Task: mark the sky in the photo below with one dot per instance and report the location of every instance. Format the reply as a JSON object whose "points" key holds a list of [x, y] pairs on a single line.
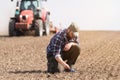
{"points": [[87, 14]]}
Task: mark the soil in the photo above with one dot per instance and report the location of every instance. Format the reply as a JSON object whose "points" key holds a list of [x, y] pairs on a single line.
{"points": [[24, 57]]}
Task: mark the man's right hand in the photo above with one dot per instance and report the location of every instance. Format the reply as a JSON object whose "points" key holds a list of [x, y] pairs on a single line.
{"points": [[63, 63], [66, 66]]}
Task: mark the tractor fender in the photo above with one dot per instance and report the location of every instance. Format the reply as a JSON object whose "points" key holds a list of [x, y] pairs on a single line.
{"points": [[43, 15]]}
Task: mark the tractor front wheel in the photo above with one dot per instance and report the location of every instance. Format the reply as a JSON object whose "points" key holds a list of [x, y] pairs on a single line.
{"points": [[47, 25], [39, 28], [12, 31]]}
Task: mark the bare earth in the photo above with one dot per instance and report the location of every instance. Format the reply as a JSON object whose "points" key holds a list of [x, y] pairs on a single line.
{"points": [[24, 58]]}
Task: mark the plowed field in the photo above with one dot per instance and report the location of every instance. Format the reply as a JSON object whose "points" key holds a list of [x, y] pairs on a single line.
{"points": [[24, 58]]}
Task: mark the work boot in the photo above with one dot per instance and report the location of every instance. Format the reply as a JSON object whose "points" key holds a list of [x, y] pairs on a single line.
{"points": [[70, 70]]}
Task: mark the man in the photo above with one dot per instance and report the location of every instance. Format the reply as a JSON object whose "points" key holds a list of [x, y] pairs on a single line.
{"points": [[64, 46]]}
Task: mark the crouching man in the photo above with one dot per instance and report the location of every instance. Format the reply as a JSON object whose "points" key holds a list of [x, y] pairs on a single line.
{"points": [[63, 49]]}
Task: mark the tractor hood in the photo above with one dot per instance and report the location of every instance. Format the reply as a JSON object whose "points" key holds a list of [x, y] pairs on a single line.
{"points": [[26, 16]]}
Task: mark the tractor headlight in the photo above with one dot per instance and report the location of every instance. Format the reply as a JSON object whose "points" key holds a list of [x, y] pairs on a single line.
{"points": [[20, 16], [26, 16]]}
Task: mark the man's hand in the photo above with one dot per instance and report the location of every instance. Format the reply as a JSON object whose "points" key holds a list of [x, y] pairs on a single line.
{"points": [[63, 63], [68, 46], [66, 66]]}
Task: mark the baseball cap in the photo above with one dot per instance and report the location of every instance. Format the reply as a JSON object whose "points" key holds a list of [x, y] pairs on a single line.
{"points": [[73, 27]]}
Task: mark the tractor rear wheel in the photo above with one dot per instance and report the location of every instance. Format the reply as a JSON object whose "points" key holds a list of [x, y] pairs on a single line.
{"points": [[47, 25], [39, 27], [12, 31]]}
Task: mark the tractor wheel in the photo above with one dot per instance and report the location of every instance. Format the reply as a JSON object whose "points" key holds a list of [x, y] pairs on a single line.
{"points": [[12, 31], [39, 28], [47, 25]]}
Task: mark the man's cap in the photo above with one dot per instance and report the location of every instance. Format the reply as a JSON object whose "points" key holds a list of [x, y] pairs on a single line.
{"points": [[73, 27]]}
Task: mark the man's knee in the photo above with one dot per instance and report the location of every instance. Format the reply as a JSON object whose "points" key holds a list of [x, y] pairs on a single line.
{"points": [[76, 48]]}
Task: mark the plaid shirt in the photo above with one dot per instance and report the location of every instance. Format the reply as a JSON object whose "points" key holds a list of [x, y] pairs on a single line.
{"points": [[58, 42]]}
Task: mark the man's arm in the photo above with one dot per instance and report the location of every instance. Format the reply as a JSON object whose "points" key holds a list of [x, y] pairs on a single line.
{"points": [[68, 46], [60, 60]]}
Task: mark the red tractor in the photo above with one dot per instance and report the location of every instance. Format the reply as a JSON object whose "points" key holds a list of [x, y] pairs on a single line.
{"points": [[29, 16]]}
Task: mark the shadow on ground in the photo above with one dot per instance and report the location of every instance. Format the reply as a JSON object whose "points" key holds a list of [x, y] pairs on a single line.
{"points": [[26, 71]]}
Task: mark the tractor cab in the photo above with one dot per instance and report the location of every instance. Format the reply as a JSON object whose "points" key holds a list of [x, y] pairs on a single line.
{"points": [[34, 5]]}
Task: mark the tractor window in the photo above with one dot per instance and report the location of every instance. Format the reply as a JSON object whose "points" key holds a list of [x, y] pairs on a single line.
{"points": [[28, 5], [22, 7], [40, 5], [32, 5]]}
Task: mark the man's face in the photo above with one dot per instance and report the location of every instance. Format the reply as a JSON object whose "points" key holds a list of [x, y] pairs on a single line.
{"points": [[70, 35]]}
